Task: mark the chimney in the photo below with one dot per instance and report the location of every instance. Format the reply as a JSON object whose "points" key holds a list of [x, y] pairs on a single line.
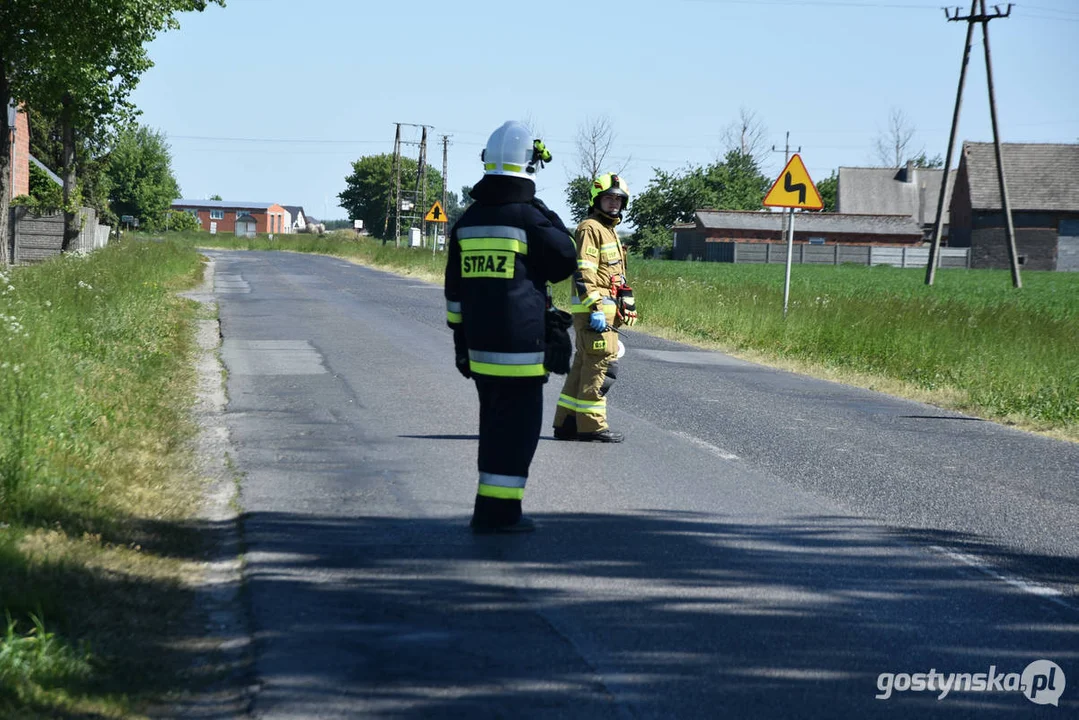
{"points": [[910, 172]]}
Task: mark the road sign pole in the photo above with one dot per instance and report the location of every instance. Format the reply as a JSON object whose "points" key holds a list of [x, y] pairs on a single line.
{"points": [[790, 257]]}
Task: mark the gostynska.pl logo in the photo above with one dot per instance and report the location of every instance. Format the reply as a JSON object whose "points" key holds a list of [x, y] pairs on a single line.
{"points": [[1041, 682]]}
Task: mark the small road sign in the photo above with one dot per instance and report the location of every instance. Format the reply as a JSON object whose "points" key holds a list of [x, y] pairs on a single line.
{"points": [[793, 188], [436, 213]]}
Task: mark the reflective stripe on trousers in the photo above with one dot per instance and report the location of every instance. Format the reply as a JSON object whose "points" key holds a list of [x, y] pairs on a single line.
{"points": [[505, 364], [507, 487]]}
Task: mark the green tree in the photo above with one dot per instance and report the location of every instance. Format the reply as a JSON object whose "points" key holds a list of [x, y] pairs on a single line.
{"points": [[669, 198], [829, 189], [737, 182], [44, 191], [215, 197], [578, 197], [78, 62], [140, 176], [181, 221], [46, 144], [734, 183], [923, 161], [368, 190]]}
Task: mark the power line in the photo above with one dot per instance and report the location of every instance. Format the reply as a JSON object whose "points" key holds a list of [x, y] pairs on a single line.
{"points": [[271, 140], [659, 146]]}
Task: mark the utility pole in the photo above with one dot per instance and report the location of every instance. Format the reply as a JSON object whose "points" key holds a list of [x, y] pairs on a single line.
{"points": [[418, 195], [421, 184], [395, 196], [787, 149], [1009, 229], [445, 185]]}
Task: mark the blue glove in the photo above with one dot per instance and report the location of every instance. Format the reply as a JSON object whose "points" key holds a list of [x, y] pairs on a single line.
{"points": [[597, 321]]}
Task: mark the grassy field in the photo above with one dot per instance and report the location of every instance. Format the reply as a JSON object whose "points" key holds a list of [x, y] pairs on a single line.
{"points": [[970, 342], [96, 482]]}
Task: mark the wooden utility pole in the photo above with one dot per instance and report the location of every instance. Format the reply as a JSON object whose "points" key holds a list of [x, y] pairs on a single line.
{"points": [[417, 203], [787, 149], [421, 184], [1005, 204], [938, 225], [395, 196], [445, 169], [445, 187]]}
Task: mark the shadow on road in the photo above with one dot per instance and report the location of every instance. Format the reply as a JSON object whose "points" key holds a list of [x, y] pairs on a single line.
{"points": [[670, 614]]}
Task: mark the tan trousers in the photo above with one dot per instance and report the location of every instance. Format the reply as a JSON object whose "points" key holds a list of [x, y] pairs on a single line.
{"points": [[583, 394]]}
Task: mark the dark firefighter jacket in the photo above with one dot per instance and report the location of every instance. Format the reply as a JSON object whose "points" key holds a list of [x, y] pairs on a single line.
{"points": [[502, 251]]}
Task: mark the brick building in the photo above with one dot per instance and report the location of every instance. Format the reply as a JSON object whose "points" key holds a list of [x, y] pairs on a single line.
{"points": [[223, 215], [810, 228], [19, 181], [1044, 198]]}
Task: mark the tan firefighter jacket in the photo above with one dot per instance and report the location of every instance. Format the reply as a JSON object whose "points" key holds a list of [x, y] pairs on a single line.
{"points": [[601, 262]]}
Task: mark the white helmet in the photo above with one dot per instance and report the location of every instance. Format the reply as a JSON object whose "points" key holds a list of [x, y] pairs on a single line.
{"points": [[512, 151]]}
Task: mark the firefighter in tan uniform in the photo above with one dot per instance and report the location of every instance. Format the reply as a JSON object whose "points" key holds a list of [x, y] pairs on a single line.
{"points": [[601, 302]]}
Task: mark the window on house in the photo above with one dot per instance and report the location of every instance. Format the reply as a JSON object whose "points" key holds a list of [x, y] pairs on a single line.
{"points": [[1022, 259], [192, 212], [217, 214]]}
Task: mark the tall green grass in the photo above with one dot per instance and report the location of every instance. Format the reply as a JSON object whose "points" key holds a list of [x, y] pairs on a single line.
{"points": [[1011, 353], [96, 380]]}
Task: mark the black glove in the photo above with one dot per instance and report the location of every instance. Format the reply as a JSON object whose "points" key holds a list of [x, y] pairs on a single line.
{"points": [[559, 351], [460, 353]]}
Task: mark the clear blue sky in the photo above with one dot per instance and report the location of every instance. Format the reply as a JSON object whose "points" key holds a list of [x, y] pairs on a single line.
{"points": [[271, 100]]}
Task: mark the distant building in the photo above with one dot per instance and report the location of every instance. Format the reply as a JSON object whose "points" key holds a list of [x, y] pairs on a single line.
{"points": [[1044, 196], [297, 218], [735, 226], [224, 214], [910, 190]]}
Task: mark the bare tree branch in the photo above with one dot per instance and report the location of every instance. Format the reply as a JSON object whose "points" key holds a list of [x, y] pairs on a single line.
{"points": [[593, 142], [892, 145], [747, 134]]}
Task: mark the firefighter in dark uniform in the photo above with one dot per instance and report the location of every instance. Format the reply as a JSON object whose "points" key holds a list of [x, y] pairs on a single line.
{"points": [[503, 251], [601, 301]]}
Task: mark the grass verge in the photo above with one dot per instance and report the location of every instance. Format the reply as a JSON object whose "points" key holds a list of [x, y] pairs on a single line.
{"points": [[97, 486]]}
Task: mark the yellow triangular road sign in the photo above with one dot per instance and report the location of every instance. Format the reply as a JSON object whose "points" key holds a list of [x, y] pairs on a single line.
{"points": [[793, 188], [436, 213]]}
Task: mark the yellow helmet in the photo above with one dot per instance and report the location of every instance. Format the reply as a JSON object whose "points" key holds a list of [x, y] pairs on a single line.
{"points": [[609, 184]]}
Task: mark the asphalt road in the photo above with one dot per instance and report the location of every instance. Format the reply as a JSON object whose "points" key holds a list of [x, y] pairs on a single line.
{"points": [[762, 545]]}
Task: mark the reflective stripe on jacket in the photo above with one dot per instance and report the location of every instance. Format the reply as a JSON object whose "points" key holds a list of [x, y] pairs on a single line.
{"points": [[503, 251], [601, 259]]}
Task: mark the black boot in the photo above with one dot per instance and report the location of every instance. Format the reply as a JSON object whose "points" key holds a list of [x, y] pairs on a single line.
{"points": [[606, 435], [568, 431], [497, 515]]}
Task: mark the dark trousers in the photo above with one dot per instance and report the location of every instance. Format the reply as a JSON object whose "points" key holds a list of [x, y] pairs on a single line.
{"points": [[511, 416]]}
